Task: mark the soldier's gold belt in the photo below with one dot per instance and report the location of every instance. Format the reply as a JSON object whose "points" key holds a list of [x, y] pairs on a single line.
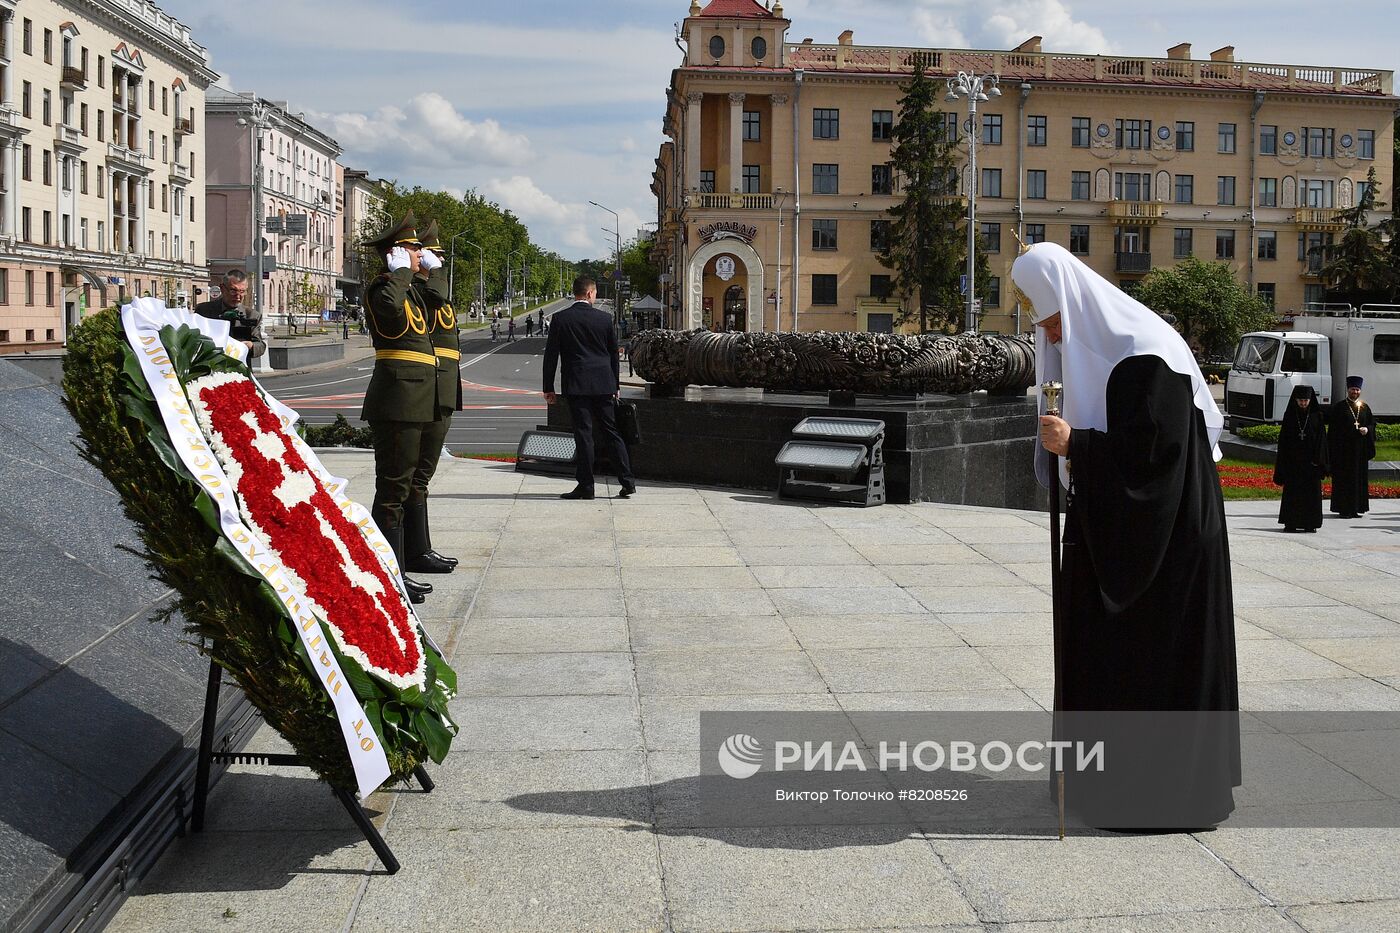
{"points": [[411, 356], [448, 353]]}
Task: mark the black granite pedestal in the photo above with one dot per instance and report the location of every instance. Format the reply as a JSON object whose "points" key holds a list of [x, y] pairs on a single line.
{"points": [[969, 449]]}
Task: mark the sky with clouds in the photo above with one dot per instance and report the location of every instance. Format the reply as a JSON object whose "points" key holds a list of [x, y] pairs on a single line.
{"points": [[545, 105]]}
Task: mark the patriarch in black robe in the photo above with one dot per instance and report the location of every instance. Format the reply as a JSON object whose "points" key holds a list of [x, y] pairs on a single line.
{"points": [[1145, 641], [1301, 462], [1351, 443]]}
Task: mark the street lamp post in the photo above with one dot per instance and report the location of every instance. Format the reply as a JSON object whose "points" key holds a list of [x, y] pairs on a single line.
{"points": [[780, 199], [260, 120], [509, 294], [974, 88], [481, 269], [617, 256]]}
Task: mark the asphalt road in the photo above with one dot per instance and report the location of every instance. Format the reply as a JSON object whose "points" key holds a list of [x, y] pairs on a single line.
{"points": [[500, 390]]}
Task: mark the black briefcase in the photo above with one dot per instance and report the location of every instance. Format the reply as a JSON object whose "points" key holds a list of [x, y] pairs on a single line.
{"points": [[627, 423]]}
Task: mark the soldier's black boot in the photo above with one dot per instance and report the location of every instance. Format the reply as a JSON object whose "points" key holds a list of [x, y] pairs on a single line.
{"points": [[428, 534], [417, 592], [418, 545]]}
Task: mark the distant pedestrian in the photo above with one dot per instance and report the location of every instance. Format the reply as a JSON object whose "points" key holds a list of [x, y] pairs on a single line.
{"points": [[495, 329], [1302, 462], [529, 326], [510, 330], [1351, 442]]}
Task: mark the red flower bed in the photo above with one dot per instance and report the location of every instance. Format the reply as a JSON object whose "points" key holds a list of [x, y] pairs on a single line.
{"points": [[287, 506], [1262, 477]]}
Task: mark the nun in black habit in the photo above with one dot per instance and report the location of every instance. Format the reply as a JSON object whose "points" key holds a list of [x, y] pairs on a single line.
{"points": [[1302, 462], [1145, 640]]}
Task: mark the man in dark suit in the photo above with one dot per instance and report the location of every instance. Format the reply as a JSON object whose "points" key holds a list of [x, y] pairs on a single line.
{"points": [[584, 337], [246, 324]]}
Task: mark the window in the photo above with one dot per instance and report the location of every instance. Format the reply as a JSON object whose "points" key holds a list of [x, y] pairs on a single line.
{"points": [[1225, 138], [825, 178], [100, 134], [950, 126], [48, 46], [48, 289], [759, 48], [991, 182], [165, 101], [26, 95], [1224, 244], [1181, 242], [993, 292], [1268, 140], [826, 124], [1079, 132], [707, 181], [1316, 192], [823, 234], [1310, 248], [881, 179], [1386, 349], [1185, 188], [1035, 183], [24, 163], [880, 287], [879, 235], [881, 125], [1132, 186], [752, 126], [823, 289], [1366, 144], [4, 286], [25, 227], [1225, 189], [48, 168], [1035, 233], [82, 119], [1079, 186], [1265, 291], [28, 41], [1132, 134], [1035, 131], [991, 237], [101, 68], [82, 233], [751, 179], [101, 182], [1314, 294], [48, 107], [1268, 244], [1319, 141], [1079, 239], [991, 129], [151, 100], [48, 228], [717, 46], [1365, 190], [29, 288], [1268, 192]]}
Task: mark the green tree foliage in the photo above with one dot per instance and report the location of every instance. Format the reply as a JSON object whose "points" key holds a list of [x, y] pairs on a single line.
{"points": [[927, 246], [496, 230], [1359, 266], [1212, 309], [644, 275]]}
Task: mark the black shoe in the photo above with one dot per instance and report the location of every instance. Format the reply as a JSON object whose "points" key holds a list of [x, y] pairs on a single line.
{"points": [[428, 563], [415, 588], [442, 557], [578, 492], [626, 490], [416, 599]]}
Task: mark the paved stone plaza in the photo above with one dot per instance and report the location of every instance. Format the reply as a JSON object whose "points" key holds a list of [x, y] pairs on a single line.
{"points": [[589, 635]]}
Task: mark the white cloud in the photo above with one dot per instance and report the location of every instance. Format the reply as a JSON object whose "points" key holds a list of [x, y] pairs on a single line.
{"points": [[428, 130], [1018, 20], [575, 226], [938, 29]]}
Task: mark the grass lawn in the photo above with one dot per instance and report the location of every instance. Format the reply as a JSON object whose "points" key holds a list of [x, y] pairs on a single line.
{"points": [[1388, 450]]}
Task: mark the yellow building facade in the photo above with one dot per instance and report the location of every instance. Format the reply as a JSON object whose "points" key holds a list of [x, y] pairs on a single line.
{"points": [[101, 166], [773, 184]]}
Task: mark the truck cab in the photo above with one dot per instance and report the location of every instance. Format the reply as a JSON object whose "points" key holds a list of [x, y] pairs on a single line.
{"points": [[1267, 367]]}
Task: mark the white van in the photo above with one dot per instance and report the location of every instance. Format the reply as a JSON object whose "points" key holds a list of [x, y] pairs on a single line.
{"points": [[1326, 344]]}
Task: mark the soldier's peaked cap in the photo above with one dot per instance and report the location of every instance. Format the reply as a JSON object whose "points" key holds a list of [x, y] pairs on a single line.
{"points": [[396, 233], [432, 239]]}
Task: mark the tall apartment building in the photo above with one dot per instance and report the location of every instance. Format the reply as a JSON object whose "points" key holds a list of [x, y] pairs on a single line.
{"points": [[264, 158], [773, 184], [101, 166], [363, 207]]}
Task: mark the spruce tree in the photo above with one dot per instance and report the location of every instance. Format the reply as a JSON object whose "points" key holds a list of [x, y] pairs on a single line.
{"points": [[927, 244], [1358, 267]]}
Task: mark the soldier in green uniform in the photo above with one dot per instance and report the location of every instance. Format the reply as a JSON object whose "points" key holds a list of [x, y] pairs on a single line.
{"points": [[430, 284], [401, 401]]}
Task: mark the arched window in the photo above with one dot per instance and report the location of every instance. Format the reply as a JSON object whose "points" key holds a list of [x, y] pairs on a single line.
{"points": [[717, 46], [759, 47]]}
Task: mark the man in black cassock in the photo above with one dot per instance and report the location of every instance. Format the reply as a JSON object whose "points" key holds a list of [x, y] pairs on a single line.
{"points": [[1302, 462], [1146, 618], [1351, 442]]}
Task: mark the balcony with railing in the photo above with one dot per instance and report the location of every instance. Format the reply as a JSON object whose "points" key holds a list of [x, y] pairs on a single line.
{"points": [[1133, 263], [180, 172], [732, 202], [1312, 267], [69, 136], [1134, 213], [184, 127], [73, 78], [1318, 219], [123, 154]]}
